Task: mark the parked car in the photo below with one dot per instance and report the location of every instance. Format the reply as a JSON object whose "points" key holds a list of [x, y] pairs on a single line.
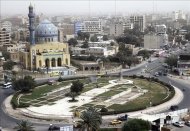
{"points": [[53, 128], [174, 107], [187, 123], [123, 118], [115, 122], [179, 124]]}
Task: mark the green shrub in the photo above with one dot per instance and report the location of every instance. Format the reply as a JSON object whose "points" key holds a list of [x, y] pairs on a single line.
{"points": [[14, 102], [103, 109]]}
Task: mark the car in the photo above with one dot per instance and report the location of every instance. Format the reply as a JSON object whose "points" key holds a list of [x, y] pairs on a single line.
{"points": [[187, 123], [174, 107], [7, 85], [123, 118], [115, 122], [179, 124], [53, 128], [156, 74], [165, 74]]}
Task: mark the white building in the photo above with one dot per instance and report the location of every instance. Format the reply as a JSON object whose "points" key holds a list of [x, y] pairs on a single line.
{"points": [[127, 25], [101, 51], [7, 25], [178, 15], [21, 46], [100, 44], [139, 21], [155, 41], [92, 26], [77, 51], [161, 29], [5, 37]]}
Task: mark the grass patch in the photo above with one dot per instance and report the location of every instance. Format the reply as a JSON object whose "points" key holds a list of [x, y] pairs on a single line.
{"points": [[109, 93], [156, 94], [41, 91]]}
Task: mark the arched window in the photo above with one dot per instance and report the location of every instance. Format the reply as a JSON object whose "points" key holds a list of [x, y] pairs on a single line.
{"points": [[53, 62], [59, 62], [47, 63]]}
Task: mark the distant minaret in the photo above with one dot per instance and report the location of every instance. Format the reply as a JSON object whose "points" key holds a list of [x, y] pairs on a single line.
{"points": [[31, 16]]}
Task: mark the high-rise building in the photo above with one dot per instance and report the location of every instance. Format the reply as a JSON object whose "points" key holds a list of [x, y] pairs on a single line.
{"points": [[7, 25], [90, 26], [176, 15], [5, 37], [138, 21], [156, 40], [116, 29]]}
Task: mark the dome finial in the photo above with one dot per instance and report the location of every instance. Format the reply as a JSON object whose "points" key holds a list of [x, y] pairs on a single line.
{"points": [[31, 5]]}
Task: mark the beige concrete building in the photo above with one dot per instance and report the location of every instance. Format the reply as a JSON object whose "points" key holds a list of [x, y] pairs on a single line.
{"points": [[5, 37]]}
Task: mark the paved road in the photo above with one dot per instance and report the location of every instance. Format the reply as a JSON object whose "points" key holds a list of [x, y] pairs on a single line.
{"points": [[6, 121]]}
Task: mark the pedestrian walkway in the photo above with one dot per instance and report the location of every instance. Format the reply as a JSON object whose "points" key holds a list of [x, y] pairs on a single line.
{"points": [[185, 79]]}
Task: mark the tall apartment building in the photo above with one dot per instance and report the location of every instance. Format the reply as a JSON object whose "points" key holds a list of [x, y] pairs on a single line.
{"points": [[5, 37], [116, 29], [90, 26], [127, 25], [156, 40], [7, 25], [139, 21], [178, 15]]}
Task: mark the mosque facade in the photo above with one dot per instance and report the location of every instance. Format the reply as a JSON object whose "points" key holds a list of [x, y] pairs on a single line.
{"points": [[44, 52]]}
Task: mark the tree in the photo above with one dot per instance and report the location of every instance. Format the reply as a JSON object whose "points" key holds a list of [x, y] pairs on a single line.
{"points": [[94, 38], [83, 35], [8, 65], [105, 37], [91, 119], [72, 42], [144, 53], [24, 126], [24, 85], [73, 95], [172, 60], [129, 61], [85, 45], [6, 55], [77, 86], [136, 125], [187, 36]]}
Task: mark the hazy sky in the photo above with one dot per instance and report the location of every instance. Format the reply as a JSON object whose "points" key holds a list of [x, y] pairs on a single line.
{"points": [[100, 6]]}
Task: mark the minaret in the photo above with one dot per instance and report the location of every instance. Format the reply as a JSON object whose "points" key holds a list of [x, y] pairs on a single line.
{"points": [[31, 16]]}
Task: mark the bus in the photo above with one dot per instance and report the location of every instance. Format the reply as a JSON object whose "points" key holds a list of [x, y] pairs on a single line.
{"points": [[7, 85]]}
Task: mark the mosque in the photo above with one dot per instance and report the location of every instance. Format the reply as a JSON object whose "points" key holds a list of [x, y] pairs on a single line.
{"points": [[44, 51]]}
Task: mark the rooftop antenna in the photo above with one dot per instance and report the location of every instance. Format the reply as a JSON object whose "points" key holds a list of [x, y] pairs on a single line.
{"points": [[89, 8], [115, 8]]}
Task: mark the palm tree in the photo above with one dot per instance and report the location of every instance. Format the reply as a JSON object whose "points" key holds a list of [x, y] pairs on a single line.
{"points": [[24, 126], [91, 119]]}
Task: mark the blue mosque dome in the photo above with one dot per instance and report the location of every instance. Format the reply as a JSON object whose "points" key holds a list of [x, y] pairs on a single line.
{"points": [[46, 32]]}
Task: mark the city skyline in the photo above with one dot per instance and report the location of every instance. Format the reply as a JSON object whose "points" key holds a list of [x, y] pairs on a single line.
{"points": [[48, 7]]}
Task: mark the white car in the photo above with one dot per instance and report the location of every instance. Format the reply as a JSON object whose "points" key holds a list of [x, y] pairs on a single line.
{"points": [[7, 85], [179, 124]]}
